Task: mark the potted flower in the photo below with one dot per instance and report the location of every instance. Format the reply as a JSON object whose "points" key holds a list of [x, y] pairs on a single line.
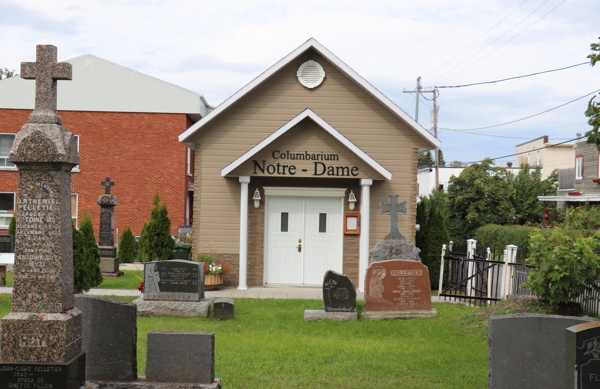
{"points": [[214, 273]]}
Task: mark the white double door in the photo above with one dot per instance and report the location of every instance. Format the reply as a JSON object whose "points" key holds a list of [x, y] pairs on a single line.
{"points": [[303, 239]]}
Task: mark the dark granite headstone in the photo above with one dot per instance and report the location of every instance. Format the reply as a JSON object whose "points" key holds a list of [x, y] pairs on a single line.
{"points": [[175, 280], [42, 334], [109, 338], [339, 294], [582, 358], [224, 309], [182, 357], [7, 244], [528, 350]]}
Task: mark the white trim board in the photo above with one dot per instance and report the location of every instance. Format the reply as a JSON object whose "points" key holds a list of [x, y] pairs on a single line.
{"points": [[312, 43], [324, 125]]}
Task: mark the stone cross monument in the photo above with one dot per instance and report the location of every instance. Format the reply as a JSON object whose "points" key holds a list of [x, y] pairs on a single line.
{"points": [[42, 334], [109, 263], [393, 208]]}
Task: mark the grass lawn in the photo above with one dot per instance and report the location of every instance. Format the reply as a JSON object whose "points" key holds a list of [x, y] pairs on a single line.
{"points": [[129, 280], [8, 279], [269, 345]]}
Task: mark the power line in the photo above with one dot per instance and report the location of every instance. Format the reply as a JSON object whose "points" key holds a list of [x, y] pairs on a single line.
{"points": [[512, 78], [529, 151], [496, 136], [527, 117], [493, 51], [494, 41]]}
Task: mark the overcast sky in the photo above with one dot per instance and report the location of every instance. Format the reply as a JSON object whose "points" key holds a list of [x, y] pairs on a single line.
{"points": [[216, 47]]}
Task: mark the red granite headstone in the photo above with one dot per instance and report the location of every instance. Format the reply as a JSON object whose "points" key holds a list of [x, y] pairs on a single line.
{"points": [[397, 285]]}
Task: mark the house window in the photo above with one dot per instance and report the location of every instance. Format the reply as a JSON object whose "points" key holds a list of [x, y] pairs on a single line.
{"points": [[6, 142], [284, 221], [74, 206], [7, 208], [579, 167], [322, 223], [76, 168]]}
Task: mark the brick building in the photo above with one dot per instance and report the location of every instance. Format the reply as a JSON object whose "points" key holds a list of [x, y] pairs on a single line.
{"points": [[127, 125]]}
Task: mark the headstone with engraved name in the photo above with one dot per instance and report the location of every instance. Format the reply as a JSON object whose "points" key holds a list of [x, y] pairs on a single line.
{"points": [[582, 356], [397, 289], [339, 294], [175, 280], [41, 337]]}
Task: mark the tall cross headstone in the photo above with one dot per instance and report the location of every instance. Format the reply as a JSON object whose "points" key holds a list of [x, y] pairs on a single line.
{"points": [[393, 208], [42, 334], [109, 263]]}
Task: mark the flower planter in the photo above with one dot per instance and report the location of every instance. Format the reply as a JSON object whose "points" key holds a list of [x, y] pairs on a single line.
{"points": [[211, 281]]}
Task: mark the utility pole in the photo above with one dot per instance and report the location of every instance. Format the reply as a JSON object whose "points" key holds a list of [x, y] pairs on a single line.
{"points": [[434, 120]]}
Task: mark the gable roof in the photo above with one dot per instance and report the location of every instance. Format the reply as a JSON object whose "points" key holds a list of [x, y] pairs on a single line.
{"points": [[313, 44], [101, 85], [307, 113]]}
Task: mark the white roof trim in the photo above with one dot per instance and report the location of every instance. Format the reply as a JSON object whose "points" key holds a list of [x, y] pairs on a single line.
{"points": [[571, 199], [312, 43], [326, 126]]}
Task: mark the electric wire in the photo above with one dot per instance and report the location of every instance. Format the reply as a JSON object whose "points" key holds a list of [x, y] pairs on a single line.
{"points": [[496, 136], [525, 118], [510, 78]]}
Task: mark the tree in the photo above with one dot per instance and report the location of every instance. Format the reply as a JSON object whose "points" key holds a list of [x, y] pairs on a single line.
{"points": [[457, 164], [127, 246], [156, 243], [422, 222], [481, 195], [528, 186], [86, 258], [436, 237], [7, 73], [442, 162], [425, 160], [593, 109]]}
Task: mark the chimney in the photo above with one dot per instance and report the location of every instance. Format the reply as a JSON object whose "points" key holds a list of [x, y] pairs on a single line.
{"points": [[509, 164]]}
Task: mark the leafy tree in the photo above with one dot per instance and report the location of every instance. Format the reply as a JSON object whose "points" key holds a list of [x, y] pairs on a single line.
{"points": [[86, 258], [457, 164], [481, 195], [7, 73], [12, 227], [156, 242], [442, 161], [528, 186], [436, 236], [425, 159], [593, 109], [127, 246]]}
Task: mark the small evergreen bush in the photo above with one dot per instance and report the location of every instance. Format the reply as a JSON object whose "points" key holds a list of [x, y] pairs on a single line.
{"points": [[12, 227], [86, 258], [436, 237], [127, 246], [156, 243]]}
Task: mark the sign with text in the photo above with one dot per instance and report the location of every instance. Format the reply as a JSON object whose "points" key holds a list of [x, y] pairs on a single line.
{"points": [[288, 163]]}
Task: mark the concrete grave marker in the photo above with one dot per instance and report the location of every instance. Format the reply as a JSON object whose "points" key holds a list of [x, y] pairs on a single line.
{"points": [[582, 356], [224, 309], [43, 331]]}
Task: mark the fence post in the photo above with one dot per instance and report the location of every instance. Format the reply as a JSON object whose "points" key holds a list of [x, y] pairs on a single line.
{"points": [[471, 245], [489, 275], [510, 254], [450, 246], [441, 270]]}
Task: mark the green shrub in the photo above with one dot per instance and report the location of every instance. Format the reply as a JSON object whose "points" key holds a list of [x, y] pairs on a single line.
{"points": [[436, 237], [86, 258], [12, 227], [156, 243], [567, 265], [497, 237], [127, 246]]}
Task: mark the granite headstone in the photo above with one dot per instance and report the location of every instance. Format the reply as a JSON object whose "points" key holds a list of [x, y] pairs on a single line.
{"points": [[224, 308], [174, 280], [339, 294], [582, 358], [109, 338], [42, 334], [175, 356]]}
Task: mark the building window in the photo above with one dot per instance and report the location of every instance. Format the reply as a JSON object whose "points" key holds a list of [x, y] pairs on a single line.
{"points": [[579, 167], [6, 142], [76, 168], [74, 206], [7, 208], [284, 221], [322, 223]]}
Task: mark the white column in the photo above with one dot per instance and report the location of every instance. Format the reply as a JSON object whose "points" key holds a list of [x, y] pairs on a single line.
{"points": [[243, 284], [365, 224], [471, 245]]}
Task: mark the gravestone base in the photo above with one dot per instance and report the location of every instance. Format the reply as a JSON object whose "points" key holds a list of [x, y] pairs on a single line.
{"points": [[69, 375], [41, 337], [319, 315], [398, 315], [141, 383], [146, 308]]}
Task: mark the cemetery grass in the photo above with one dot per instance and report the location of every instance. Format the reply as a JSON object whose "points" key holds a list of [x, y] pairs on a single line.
{"points": [[129, 280], [269, 345]]}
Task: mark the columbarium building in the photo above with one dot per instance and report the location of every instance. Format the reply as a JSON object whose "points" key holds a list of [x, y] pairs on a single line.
{"points": [[290, 172]]}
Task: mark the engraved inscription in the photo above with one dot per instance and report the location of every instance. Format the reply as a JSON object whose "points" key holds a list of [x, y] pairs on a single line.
{"points": [[30, 377], [73, 336], [33, 340]]}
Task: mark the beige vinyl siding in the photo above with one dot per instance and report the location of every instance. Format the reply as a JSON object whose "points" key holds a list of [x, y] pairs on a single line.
{"points": [[342, 104]]}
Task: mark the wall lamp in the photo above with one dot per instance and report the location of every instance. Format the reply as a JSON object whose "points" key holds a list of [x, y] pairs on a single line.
{"points": [[256, 198], [351, 201]]}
